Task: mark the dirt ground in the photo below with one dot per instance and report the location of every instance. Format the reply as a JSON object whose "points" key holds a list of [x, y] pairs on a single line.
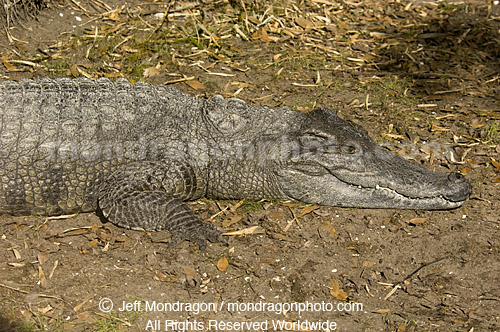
{"points": [[422, 77]]}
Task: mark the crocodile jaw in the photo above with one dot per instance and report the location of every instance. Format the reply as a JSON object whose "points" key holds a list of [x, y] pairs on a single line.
{"points": [[329, 190]]}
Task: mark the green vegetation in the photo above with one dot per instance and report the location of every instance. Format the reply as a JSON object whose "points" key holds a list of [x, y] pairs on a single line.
{"points": [[492, 132]]}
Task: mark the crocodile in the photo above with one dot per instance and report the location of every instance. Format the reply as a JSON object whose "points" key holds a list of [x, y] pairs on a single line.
{"points": [[135, 153]]}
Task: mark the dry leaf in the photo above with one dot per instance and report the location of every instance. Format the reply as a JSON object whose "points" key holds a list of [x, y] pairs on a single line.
{"points": [[105, 236], [304, 23], [83, 315], [308, 209], [16, 253], [417, 221], [368, 264], [122, 238], [465, 170], [276, 215], [189, 270], [56, 263], [254, 20], [160, 276], [268, 260], [106, 247], [247, 231], [343, 26], [337, 292], [74, 70], [280, 237], [77, 307], [222, 264], [477, 125], [76, 232], [327, 230], [495, 163], [113, 75], [114, 15], [8, 65], [261, 34], [151, 71], [129, 49], [382, 311], [17, 264], [42, 258], [41, 277], [45, 310], [228, 222], [321, 213], [196, 85], [93, 243]]}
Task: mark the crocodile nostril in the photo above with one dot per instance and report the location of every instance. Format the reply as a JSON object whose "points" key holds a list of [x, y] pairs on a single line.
{"points": [[455, 177]]}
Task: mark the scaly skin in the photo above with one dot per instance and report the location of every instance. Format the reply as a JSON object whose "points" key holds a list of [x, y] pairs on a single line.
{"points": [[138, 152]]}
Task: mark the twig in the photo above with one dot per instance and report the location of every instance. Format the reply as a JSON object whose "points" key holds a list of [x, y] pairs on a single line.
{"points": [[26, 292], [422, 266], [83, 9], [163, 19], [397, 285], [246, 15], [184, 79], [102, 4]]}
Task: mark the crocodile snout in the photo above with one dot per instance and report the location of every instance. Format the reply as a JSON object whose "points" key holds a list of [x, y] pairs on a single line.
{"points": [[458, 188]]}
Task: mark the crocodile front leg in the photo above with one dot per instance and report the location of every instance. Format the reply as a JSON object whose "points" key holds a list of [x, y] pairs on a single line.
{"points": [[149, 195]]}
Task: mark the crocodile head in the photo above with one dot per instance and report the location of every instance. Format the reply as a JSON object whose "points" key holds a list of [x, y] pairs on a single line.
{"points": [[337, 164]]}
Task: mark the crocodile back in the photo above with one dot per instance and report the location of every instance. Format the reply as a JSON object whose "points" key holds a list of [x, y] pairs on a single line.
{"points": [[59, 138]]}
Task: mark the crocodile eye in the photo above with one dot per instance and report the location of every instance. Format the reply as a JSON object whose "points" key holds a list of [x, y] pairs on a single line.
{"points": [[349, 149]]}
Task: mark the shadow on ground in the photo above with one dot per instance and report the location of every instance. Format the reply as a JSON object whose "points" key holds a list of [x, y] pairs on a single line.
{"points": [[448, 43]]}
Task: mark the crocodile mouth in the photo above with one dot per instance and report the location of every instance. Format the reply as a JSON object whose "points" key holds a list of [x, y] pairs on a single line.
{"points": [[394, 196], [323, 187]]}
